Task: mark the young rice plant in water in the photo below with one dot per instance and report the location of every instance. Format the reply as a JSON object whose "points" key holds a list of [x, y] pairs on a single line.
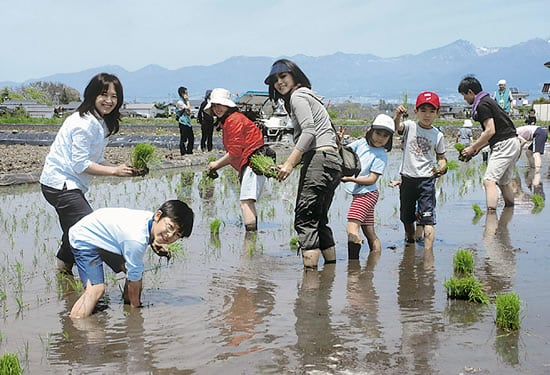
{"points": [[508, 307], [463, 262], [465, 288], [9, 364]]}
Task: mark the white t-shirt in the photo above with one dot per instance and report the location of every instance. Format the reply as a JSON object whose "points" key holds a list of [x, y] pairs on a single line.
{"points": [[118, 230], [420, 149]]}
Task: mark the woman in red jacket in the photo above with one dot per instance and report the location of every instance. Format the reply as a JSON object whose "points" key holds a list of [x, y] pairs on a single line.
{"points": [[240, 137]]}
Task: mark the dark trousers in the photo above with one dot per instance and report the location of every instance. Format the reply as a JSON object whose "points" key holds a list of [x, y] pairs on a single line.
{"points": [[187, 139], [71, 206], [207, 131], [320, 175]]}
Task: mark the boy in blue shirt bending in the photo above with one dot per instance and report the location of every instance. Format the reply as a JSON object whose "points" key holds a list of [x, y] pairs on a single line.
{"points": [[119, 237]]}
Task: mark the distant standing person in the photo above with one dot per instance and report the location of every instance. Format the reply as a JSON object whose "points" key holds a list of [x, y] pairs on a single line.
{"points": [[207, 124], [76, 154], [500, 133], [531, 118], [183, 115], [371, 149], [423, 161], [316, 149], [119, 237], [241, 138], [534, 137], [503, 96], [465, 133]]}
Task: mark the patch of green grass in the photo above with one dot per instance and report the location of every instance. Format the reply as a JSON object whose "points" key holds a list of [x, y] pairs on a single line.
{"points": [[508, 307], [465, 288], [9, 364], [463, 262]]}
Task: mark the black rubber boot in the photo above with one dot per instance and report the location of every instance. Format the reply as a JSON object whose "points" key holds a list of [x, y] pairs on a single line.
{"points": [[353, 250]]}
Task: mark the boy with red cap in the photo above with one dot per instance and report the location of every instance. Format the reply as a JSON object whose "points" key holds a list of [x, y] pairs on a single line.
{"points": [[424, 147]]}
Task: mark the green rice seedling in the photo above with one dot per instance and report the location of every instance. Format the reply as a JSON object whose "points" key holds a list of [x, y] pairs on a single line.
{"points": [[538, 202], [508, 307], [263, 164], [294, 243], [215, 226], [463, 263], [143, 155], [477, 210], [465, 288], [175, 249], [9, 364], [452, 165]]}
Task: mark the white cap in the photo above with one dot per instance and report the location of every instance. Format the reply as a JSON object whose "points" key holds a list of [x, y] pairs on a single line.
{"points": [[384, 122], [467, 123], [501, 82]]}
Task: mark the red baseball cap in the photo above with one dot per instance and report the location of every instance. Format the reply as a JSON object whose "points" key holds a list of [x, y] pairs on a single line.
{"points": [[428, 97]]}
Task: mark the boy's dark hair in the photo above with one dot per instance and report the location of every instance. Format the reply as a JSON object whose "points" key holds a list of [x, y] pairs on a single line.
{"points": [[368, 136], [180, 213], [469, 83], [98, 85], [182, 90], [299, 77]]}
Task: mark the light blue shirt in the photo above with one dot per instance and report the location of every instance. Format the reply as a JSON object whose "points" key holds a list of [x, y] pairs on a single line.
{"points": [[79, 142], [373, 159], [119, 230]]}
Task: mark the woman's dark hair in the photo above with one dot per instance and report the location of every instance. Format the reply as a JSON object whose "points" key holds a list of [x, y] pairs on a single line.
{"points": [[299, 77], [182, 90], [368, 136], [99, 84], [469, 83], [180, 213]]}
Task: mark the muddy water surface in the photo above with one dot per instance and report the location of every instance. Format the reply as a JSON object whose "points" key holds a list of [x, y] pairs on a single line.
{"points": [[241, 304]]}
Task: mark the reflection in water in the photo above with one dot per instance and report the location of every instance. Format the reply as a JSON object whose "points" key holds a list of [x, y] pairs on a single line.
{"points": [[420, 323], [362, 308], [248, 301], [500, 261], [100, 339], [316, 341], [507, 347]]}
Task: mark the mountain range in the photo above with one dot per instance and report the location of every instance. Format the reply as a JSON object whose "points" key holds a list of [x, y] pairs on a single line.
{"points": [[343, 76]]}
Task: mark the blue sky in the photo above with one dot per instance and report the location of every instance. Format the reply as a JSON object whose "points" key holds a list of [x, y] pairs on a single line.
{"points": [[43, 37]]}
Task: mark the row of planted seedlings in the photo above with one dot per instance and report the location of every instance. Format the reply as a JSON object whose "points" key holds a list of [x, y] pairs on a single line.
{"points": [[463, 285]]}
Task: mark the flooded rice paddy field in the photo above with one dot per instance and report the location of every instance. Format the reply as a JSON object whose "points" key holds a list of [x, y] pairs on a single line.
{"points": [[242, 304]]}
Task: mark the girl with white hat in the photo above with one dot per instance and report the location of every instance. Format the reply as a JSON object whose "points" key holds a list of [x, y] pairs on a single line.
{"points": [[465, 133], [241, 138]]}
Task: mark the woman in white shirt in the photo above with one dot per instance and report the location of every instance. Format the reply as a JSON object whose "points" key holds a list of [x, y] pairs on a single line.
{"points": [[77, 153]]}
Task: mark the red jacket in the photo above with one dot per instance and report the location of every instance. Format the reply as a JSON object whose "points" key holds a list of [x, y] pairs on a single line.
{"points": [[240, 137]]}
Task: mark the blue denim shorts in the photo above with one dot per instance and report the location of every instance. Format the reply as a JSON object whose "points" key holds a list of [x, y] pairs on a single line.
{"points": [[90, 264]]}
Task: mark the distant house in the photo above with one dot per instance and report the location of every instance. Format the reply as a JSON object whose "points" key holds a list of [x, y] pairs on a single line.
{"points": [[520, 98], [146, 110], [31, 107], [450, 111]]}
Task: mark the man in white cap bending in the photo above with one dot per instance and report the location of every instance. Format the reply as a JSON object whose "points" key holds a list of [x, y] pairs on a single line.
{"points": [[503, 96]]}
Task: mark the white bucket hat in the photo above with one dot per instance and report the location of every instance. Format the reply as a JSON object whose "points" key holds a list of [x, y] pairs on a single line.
{"points": [[384, 122], [219, 96], [467, 123], [501, 82]]}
